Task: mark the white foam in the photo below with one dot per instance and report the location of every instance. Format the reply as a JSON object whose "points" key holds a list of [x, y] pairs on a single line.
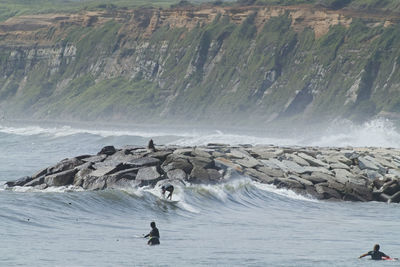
{"points": [[232, 139], [282, 192], [60, 189], [375, 133], [178, 195], [68, 131]]}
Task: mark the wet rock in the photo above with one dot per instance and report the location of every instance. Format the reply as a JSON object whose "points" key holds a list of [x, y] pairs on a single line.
{"points": [[339, 165], [199, 175], [226, 163], [81, 175], [266, 153], [148, 176], [107, 150], [35, 182], [249, 162], [160, 155], [197, 152], [259, 176], [129, 174], [312, 161], [61, 178], [94, 159], [175, 162], [202, 162], [238, 154], [143, 162], [94, 183], [299, 160], [66, 164], [288, 183], [177, 174], [214, 175], [327, 192], [20, 182], [370, 164]]}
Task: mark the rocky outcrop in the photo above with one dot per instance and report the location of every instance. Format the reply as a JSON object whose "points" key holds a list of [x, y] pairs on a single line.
{"points": [[354, 174]]}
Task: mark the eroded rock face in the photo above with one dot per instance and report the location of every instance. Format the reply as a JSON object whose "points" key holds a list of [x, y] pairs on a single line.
{"points": [[366, 174]]}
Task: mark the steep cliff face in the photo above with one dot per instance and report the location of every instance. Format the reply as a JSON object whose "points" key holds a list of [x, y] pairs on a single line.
{"points": [[211, 64]]}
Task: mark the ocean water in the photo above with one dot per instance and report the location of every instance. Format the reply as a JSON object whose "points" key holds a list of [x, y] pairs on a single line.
{"points": [[239, 223]]}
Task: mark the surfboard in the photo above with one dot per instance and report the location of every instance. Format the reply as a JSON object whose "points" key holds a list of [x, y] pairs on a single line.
{"points": [[389, 259], [169, 201]]}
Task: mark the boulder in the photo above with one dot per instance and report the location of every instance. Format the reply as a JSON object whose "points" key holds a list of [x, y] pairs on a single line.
{"points": [[266, 152], [35, 182], [259, 176], [271, 172], [183, 151], [95, 159], [129, 174], [299, 160], [339, 165], [177, 174], [81, 175], [160, 155], [94, 183], [304, 182], [202, 162], [214, 175], [20, 182], [173, 162], [293, 167], [248, 162], [227, 163], [61, 178], [318, 177], [312, 161], [142, 162], [327, 192], [238, 154], [148, 176], [358, 192], [201, 152], [199, 175], [370, 164], [65, 164], [288, 183], [107, 150]]}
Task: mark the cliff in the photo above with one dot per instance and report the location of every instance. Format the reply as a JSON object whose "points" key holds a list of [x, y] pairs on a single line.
{"points": [[228, 65]]}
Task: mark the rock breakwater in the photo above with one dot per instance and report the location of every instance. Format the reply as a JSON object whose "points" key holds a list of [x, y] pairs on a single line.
{"points": [[354, 174]]}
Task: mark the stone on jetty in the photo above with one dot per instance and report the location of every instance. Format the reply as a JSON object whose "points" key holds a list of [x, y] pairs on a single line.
{"points": [[354, 174]]}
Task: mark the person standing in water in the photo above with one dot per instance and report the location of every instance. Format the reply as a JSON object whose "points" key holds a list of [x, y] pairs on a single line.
{"points": [[154, 235], [169, 188], [375, 254]]}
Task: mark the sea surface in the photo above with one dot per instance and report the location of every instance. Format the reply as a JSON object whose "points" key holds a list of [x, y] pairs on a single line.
{"points": [[239, 223]]}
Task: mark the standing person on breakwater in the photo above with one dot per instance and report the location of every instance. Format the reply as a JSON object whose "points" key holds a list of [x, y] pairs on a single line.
{"points": [[154, 235], [375, 254], [169, 188], [150, 146]]}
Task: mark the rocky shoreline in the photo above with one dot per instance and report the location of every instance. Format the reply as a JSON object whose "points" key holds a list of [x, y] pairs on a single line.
{"points": [[353, 174]]}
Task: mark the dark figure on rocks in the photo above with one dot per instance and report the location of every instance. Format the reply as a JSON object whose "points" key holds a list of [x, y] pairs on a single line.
{"points": [[151, 146], [154, 235], [375, 254], [169, 188]]}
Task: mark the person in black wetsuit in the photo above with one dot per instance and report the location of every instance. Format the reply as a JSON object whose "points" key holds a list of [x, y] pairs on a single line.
{"points": [[154, 235], [169, 188], [375, 254]]}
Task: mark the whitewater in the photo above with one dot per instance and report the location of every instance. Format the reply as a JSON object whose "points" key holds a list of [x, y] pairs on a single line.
{"points": [[239, 223]]}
